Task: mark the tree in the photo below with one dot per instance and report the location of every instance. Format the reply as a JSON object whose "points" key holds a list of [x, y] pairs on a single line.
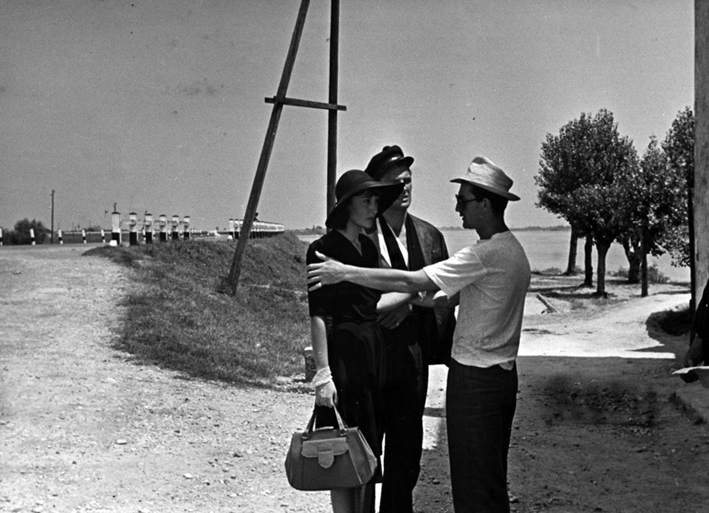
{"points": [[656, 201], [561, 171], [21, 233], [679, 148], [582, 179]]}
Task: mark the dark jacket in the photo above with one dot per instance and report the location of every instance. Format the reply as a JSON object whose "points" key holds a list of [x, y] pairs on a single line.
{"points": [[439, 322]]}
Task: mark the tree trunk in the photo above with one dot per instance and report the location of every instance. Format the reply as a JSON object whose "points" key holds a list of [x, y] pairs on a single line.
{"points": [[633, 255], [602, 249], [644, 289], [588, 261], [573, 249]]}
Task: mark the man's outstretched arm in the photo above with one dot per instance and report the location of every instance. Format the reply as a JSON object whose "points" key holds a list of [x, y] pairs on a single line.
{"points": [[331, 271]]}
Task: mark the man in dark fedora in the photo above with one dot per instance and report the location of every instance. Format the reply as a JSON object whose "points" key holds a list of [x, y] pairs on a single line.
{"points": [[415, 336], [489, 279]]}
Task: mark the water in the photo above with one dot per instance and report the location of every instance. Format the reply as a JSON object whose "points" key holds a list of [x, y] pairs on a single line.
{"points": [[548, 249]]}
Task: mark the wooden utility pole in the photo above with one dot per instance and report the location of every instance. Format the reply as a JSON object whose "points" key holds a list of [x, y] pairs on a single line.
{"points": [[51, 234], [278, 102], [332, 113]]}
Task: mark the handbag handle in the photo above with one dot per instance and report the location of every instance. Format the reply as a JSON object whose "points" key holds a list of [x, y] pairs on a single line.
{"points": [[311, 423]]}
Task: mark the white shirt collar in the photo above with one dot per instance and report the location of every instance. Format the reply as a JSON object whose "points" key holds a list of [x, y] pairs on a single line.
{"points": [[384, 251]]}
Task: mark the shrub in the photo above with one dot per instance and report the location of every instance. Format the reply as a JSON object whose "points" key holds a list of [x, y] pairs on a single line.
{"points": [[21, 233], [675, 322], [654, 275]]}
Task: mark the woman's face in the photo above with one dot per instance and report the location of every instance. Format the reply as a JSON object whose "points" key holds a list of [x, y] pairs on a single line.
{"points": [[363, 209]]}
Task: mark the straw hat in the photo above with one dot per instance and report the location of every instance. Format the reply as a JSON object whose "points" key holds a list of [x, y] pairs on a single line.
{"points": [[355, 181], [486, 175]]}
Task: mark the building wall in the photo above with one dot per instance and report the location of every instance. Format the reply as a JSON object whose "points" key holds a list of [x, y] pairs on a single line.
{"points": [[701, 147]]}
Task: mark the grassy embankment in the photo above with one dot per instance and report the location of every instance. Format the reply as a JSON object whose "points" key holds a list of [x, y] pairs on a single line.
{"points": [[177, 318]]}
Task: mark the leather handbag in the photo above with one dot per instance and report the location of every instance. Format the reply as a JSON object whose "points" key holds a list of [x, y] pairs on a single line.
{"points": [[331, 457]]}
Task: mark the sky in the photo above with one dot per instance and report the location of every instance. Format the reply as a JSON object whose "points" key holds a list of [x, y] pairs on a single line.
{"points": [[158, 105]]}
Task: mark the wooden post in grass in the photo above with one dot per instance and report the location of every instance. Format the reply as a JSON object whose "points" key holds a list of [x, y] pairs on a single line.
{"points": [[310, 368], [278, 102]]}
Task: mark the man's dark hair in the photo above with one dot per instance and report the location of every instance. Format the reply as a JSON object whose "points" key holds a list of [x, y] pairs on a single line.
{"points": [[498, 203]]}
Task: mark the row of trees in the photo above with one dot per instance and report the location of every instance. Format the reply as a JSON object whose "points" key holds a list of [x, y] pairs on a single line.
{"points": [[592, 176]]}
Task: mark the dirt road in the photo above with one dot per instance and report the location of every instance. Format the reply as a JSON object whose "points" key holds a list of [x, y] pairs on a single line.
{"points": [[83, 428]]}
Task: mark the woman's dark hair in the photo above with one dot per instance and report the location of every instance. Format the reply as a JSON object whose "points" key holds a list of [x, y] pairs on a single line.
{"points": [[498, 203], [338, 221]]}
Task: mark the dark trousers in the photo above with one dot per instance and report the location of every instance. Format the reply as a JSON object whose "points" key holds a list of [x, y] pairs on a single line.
{"points": [[480, 405], [404, 401]]}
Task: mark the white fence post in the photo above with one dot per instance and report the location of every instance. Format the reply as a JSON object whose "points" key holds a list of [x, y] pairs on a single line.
{"points": [[116, 229], [132, 229], [186, 227], [163, 227], [175, 228], [148, 228]]}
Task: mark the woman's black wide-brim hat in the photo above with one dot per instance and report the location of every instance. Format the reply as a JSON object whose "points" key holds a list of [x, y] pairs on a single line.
{"points": [[355, 181]]}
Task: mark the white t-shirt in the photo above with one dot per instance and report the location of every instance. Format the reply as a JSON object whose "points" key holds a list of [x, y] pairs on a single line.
{"points": [[492, 277]]}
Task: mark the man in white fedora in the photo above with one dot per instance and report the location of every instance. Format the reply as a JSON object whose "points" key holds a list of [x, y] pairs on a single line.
{"points": [[489, 281]]}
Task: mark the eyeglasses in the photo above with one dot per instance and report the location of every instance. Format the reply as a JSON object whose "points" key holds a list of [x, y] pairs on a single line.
{"points": [[461, 201]]}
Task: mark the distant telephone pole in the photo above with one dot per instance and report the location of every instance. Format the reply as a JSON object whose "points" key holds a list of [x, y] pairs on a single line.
{"points": [[51, 235]]}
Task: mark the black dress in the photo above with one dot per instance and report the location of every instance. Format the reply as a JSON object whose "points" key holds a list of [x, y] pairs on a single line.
{"points": [[356, 350]]}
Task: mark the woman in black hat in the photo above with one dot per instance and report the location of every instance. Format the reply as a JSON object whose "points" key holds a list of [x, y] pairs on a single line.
{"points": [[349, 354]]}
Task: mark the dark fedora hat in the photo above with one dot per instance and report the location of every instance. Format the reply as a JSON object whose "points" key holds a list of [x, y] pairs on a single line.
{"points": [[355, 181], [385, 159]]}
